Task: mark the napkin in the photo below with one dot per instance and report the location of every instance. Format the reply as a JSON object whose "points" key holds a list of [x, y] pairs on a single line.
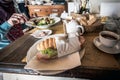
{"points": [[63, 63]]}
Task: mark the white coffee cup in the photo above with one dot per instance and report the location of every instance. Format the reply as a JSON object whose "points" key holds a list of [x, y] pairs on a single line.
{"points": [[108, 38]]}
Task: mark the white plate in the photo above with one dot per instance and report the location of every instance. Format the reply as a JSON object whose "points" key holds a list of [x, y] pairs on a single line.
{"points": [[30, 23], [49, 72], [110, 50], [37, 33], [32, 52]]}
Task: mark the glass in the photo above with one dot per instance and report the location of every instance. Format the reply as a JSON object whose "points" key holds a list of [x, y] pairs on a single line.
{"points": [[88, 5], [77, 4], [110, 25]]}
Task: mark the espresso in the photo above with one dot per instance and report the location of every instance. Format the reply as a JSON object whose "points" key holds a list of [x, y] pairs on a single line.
{"points": [[109, 37]]}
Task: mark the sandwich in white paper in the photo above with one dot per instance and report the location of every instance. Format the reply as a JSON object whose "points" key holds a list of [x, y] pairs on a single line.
{"points": [[55, 48]]}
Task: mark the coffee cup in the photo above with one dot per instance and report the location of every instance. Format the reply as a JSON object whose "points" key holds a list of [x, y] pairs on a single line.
{"points": [[108, 38]]}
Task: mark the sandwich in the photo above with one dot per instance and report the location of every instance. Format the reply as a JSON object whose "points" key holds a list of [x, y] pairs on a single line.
{"points": [[47, 49]]}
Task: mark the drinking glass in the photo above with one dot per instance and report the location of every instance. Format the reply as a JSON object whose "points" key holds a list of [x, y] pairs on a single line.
{"points": [[110, 25]]}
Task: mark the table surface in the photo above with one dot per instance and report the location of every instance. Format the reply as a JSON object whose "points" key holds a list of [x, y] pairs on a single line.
{"points": [[95, 63]]}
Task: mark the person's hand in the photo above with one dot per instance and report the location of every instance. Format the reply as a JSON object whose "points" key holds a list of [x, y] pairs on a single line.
{"points": [[17, 19]]}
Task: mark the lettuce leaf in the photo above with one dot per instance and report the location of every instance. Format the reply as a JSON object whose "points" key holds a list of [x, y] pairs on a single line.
{"points": [[50, 52]]}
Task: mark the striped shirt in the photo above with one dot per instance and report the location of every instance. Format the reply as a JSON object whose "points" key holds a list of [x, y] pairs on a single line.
{"points": [[4, 28]]}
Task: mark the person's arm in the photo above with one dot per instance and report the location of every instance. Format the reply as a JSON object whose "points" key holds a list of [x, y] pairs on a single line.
{"points": [[4, 29], [14, 19]]}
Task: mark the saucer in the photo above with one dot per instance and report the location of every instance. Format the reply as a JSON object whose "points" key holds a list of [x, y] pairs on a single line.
{"points": [[110, 50]]}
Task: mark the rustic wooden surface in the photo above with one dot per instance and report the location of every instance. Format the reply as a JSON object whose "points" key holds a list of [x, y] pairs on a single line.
{"points": [[95, 63]]}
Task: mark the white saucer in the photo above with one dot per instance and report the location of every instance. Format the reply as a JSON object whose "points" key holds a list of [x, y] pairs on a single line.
{"points": [[110, 50]]}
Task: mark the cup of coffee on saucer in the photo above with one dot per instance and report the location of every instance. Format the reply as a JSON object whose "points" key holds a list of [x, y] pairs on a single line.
{"points": [[108, 38]]}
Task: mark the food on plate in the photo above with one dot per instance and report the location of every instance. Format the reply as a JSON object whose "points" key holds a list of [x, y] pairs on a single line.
{"points": [[42, 33], [44, 21], [47, 49]]}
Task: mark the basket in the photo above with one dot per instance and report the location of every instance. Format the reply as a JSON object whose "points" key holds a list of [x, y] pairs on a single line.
{"points": [[90, 22], [95, 26]]}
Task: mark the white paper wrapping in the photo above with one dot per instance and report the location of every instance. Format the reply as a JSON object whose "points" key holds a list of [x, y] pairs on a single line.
{"points": [[68, 46]]}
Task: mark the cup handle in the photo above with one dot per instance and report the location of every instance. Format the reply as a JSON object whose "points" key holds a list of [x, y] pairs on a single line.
{"points": [[81, 28]]}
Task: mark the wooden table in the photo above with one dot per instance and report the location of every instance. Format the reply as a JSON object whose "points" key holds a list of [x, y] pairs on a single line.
{"points": [[95, 63]]}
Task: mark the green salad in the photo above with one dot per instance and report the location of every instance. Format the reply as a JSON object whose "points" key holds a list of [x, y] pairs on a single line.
{"points": [[44, 21], [50, 52]]}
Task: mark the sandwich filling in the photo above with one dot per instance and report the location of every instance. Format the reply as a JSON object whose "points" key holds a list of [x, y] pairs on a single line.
{"points": [[50, 52]]}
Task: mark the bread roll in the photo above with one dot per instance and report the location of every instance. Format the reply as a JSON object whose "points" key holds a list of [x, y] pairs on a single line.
{"points": [[91, 21], [91, 16], [48, 43], [47, 49], [84, 17], [42, 47], [83, 22]]}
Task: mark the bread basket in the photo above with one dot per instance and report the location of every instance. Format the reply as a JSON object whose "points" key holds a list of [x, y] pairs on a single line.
{"points": [[90, 22]]}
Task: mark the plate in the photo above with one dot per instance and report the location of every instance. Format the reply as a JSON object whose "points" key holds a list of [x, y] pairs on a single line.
{"points": [[32, 52], [31, 23], [41, 33], [49, 72], [30, 58], [110, 50]]}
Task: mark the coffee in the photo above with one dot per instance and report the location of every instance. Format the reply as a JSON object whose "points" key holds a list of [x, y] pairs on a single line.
{"points": [[109, 36]]}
